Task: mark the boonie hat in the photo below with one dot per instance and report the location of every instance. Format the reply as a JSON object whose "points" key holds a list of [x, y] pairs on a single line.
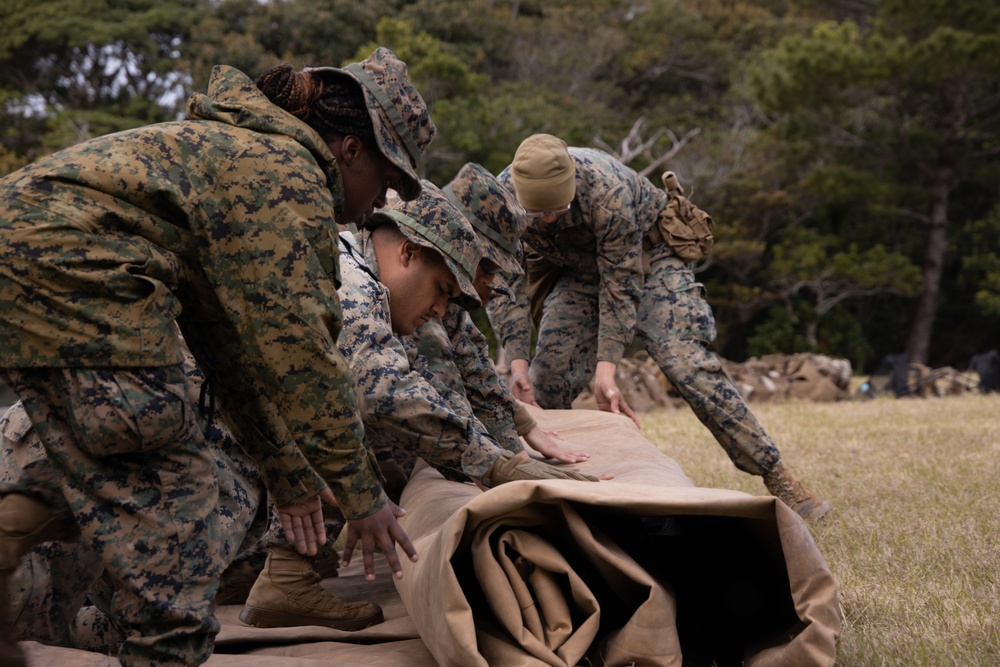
{"points": [[432, 221], [496, 216], [544, 173], [403, 125]]}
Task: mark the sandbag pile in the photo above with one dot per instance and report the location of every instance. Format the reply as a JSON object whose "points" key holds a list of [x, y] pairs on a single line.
{"points": [[915, 380], [936, 382], [776, 377]]}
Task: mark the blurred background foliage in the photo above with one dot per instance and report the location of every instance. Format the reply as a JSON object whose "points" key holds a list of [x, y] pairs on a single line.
{"points": [[849, 150]]}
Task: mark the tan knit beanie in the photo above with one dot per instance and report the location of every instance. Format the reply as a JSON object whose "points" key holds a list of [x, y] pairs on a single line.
{"points": [[543, 173]]}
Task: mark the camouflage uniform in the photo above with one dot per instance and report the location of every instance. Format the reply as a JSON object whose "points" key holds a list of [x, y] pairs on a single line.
{"points": [[457, 354], [605, 295], [52, 582], [230, 216], [403, 404], [456, 351]]}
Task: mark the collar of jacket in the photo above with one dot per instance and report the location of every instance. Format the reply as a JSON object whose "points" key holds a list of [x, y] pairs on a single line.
{"points": [[364, 258]]}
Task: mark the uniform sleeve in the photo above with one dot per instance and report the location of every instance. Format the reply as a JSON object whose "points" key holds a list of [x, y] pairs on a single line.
{"points": [[491, 400], [511, 320], [619, 263], [268, 249], [400, 406]]}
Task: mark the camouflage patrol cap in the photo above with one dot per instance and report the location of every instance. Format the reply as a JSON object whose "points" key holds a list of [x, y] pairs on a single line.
{"points": [[432, 221], [495, 214], [403, 125]]}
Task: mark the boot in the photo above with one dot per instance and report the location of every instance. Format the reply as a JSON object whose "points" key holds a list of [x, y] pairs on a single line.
{"points": [[24, 522], [288, 593], [238, 579], [784, 486]]}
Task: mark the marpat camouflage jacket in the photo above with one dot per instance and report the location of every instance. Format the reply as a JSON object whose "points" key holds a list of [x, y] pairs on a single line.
{"points": [[402, 403], [226, 223], [600, 239], [457, 353]]}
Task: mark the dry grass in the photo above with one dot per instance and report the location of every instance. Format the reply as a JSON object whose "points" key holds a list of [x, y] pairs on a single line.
{"points": [[914, 536]]}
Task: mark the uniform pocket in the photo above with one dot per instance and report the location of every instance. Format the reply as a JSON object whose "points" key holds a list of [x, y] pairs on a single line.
{"points": [[130, 411], [678, 309]]}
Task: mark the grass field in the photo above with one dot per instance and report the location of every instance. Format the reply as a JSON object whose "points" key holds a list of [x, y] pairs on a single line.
{"points": [[914, 536]]}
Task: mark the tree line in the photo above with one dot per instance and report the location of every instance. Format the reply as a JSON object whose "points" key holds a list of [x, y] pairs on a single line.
{"points": [[848, 150]]}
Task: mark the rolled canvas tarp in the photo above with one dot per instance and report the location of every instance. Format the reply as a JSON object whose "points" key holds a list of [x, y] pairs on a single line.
{"points": [[645, 569]]}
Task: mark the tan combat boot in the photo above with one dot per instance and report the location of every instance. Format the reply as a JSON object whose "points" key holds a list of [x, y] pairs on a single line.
{"points": [[288, 593], [784, 486], [24, 522]]}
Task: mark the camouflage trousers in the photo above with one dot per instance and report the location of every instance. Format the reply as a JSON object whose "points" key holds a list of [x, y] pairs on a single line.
{"points": [[122, 453], [675, 323]]}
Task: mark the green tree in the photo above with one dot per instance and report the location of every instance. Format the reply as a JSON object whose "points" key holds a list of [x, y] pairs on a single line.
{"points": [[71, 69], [981, 260], [478, 119], [253, 36], [811, 265], [912, 102]]}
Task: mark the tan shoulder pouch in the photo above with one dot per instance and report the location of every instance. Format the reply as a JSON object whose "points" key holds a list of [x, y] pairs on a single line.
{"points": [[685, 228]]}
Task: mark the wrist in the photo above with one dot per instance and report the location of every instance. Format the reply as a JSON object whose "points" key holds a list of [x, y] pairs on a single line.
{"points": [[605, 371]]}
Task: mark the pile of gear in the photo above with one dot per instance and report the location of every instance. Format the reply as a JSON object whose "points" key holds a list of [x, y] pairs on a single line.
{"points": [[898, 376], [777, 377], [803, 376]]}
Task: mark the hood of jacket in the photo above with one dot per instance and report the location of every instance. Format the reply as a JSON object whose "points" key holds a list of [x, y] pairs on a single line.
{"points": [[233, 98]]}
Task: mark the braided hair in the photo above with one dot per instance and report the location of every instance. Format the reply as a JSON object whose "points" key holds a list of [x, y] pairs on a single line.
{"points": [[330, 103]]}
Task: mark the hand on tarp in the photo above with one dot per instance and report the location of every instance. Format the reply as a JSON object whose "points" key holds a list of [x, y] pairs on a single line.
{"points": [[511, 467], [607, 394], [379, 529], [544, 442], [303, 522]]}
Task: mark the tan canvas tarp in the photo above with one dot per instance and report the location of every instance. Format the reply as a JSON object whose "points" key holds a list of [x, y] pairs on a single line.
{"points": [[638, 570], [620, 572]]}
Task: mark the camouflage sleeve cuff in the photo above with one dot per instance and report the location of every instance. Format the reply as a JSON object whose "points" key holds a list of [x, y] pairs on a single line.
{"points": [[288, 485], [610, 350], [523, 421], [518, 349], [480, 455], [350, 469], [362, 494]]}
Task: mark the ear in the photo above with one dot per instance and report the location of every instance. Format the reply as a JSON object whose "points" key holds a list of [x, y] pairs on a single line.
{"points": [[351, 150], [407, 251]]}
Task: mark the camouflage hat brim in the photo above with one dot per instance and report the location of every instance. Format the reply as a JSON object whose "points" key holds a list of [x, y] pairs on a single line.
{"points": [[497, 249], [501, 286], [391, 133], [402, 122], [400, 118], [423, 236], [509, 264], [493, 212]]}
